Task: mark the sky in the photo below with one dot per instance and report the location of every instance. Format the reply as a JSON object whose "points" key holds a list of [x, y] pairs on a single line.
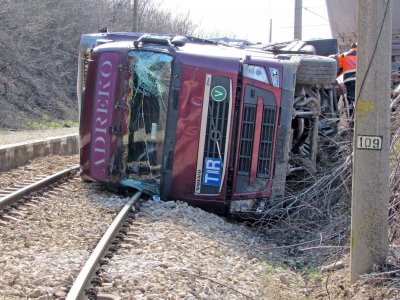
{"points": [[249, 19]]}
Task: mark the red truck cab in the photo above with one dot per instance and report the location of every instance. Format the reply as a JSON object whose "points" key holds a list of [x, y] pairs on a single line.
{"points": [[187, 119]]}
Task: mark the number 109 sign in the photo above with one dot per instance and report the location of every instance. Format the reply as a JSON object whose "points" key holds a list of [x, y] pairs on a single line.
{"points": [[369, 142]]}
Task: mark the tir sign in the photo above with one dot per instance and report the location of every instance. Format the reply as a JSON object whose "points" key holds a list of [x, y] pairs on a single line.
{"points": [[212, 171]]}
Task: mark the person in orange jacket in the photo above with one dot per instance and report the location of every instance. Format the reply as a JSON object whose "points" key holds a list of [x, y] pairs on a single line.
{"points": [[347, 62]]}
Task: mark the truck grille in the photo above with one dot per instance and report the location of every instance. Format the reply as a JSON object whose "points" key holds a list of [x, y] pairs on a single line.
{"points": [[247, 138], [267, 137], [216, 129], [256, 140]]}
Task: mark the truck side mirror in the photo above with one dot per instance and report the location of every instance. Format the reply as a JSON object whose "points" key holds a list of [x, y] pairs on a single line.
{"points": [[179, 41]]}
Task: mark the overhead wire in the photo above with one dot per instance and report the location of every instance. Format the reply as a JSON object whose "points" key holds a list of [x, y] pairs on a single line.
{"points": [[313, 12]]}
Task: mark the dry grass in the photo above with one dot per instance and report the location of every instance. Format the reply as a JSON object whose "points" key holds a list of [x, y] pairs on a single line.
{"points": [[312, 225]]}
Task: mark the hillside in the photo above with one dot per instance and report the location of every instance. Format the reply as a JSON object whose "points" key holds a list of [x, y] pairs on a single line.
{"points": [[38, 53], [37, 66]]}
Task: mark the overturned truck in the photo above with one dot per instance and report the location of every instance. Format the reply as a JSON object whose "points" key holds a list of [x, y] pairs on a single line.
{"points": [[220, 127]]}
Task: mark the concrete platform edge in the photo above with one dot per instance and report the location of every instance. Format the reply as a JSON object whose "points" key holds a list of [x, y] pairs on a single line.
{"points": [[13, 156]]}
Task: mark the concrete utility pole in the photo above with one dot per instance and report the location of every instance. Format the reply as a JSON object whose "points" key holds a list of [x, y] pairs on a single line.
{"points": [[135, 16], [369, 214], [298, 12], [270, 22], [270, 31]]}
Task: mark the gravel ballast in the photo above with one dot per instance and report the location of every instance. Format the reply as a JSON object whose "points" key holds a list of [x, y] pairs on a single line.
{"points": [[178, 251], [45, 244], [175, 251], [37, 167]]}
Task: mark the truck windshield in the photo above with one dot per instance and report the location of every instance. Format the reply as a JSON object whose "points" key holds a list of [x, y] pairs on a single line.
{"points": [[148, 81]]}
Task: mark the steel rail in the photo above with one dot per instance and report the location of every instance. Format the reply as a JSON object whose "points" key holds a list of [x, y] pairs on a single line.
{"points": [[13, 197], [77, 289]]}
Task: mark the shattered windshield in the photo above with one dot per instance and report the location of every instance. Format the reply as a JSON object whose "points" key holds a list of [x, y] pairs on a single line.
{"points": [[149, 81]]}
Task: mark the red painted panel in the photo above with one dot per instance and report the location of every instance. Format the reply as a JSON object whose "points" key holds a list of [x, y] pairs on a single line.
{"points": [[102, 115], [86, 116]]}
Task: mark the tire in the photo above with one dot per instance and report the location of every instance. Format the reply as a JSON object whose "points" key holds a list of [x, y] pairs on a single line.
{"points": [[315, 69]]}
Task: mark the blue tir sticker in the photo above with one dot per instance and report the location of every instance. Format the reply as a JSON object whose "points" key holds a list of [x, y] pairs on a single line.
{"points": [[274, 76], [212, 171]]}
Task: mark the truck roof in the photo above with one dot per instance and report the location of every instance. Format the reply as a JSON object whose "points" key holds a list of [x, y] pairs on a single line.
{"points": [[193, 52]]}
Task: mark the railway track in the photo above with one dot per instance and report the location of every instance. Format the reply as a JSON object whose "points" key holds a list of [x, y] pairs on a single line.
{"points": [[49, 226], [12, 195], [84, 285], [169, 250]]}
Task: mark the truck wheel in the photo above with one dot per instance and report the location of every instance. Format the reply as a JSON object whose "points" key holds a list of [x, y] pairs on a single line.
{"points": [[315, 69]]}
